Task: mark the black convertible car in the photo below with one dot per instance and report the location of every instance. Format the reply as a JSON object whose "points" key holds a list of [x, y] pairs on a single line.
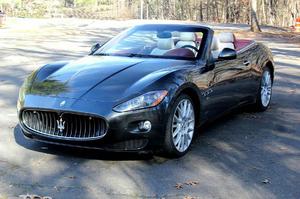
{"points": [[148, 88]]}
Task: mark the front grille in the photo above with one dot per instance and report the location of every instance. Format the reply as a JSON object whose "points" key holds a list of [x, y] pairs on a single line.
{"points": [[67, 126]]}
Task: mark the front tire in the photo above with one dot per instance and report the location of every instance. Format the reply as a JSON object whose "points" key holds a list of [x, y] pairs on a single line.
{"points": [[265, 91], [180, 127]]}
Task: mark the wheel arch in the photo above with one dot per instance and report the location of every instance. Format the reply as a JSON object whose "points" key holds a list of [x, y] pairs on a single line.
{"points": [[193, 92], [270, 65]]}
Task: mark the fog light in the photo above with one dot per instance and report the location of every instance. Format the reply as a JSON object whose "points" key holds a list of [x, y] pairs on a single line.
{"points": [[145, 126]]}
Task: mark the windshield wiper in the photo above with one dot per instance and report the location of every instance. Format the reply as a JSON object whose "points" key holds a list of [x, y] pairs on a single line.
{"points": [[138, 55], [103, 54], [125, 55]]}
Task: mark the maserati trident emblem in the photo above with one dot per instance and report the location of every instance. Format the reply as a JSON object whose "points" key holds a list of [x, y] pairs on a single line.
{"points": [[62, 103], [60, 124]]}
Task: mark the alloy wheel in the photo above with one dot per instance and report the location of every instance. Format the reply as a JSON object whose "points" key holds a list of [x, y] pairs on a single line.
{"points": [[266, 88], [183, 125]]}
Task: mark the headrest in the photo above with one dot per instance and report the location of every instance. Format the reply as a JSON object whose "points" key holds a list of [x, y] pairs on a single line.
{"points": [[175, 34], [165, 43], [187, 36], [164, 35], [226, 37], [215, 43]]}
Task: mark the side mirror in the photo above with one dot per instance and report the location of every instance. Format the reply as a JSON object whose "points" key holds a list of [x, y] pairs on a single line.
{"points": [[94, 48], [227, 54]]}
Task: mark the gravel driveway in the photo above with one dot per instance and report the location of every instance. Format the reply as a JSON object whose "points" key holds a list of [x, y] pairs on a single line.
{"points": [[244, 155]]}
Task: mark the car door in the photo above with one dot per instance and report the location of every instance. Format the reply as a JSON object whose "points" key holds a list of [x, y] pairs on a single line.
{"points": [[246, 78], [230, 83], [219, 94]]}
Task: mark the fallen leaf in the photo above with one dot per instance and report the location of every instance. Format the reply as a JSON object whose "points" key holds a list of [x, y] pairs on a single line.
{"points": [[188, 197], [27, 196], [71, 177], [56, 188], [266, 181], [179, 186], [191, 183], [283, 148], [255, 167], [292, 91]]}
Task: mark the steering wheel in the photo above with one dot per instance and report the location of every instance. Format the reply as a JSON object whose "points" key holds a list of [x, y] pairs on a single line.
{"points": [[190, 46]]}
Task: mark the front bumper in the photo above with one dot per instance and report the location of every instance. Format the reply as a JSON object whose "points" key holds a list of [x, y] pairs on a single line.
{"points": [[121, 134]]}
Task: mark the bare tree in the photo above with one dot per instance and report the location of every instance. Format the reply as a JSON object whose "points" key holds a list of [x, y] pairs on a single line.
{"points": [[142, 8], [253, 16], [282, 13], [201, 10]]}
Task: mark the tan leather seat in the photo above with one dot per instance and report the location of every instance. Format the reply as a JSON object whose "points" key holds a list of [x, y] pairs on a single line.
{"points": [[221, 41], [215, 49], [226, 40], [186, 38], [164, 44]]}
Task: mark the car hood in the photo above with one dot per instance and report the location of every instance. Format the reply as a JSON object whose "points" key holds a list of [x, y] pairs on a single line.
{"points": [[103, 78]]}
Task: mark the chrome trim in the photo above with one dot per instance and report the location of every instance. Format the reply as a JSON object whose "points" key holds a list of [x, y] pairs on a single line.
{"points": [[246, 47], [52, 132]]}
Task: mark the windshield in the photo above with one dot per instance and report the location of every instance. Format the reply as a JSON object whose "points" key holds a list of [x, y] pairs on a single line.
{"points": [[156, 41]]}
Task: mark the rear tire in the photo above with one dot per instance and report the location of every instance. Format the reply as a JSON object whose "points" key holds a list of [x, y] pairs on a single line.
{"points": [[180, 127], [264, 94]]}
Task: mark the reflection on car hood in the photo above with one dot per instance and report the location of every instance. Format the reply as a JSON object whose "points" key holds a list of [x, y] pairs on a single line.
{"points": [[101, 77]]}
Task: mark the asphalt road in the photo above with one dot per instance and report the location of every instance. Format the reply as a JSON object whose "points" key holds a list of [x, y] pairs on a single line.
{"points": [[243, 155]]}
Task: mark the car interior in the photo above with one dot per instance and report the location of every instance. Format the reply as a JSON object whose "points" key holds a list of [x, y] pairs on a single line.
{"points": [[183, 44], [227, 40], [175, 44], [221, 41], [186, 44]]}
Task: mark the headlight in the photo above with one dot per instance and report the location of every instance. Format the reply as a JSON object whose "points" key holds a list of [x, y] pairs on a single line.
{"points": [[146, 100], [22, 91]]}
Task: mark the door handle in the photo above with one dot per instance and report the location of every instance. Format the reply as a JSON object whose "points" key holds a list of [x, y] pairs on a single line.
{"points": [[246, 62]]}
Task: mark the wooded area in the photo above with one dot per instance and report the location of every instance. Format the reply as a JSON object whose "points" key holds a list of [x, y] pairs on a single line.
{"points": [[280, 13]]}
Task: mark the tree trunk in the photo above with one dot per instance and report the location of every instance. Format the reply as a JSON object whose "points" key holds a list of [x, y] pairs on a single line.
{"points": [[207, 9], [142, 9], [253, 19], [201, 11], [226, 11], [263, 18]]}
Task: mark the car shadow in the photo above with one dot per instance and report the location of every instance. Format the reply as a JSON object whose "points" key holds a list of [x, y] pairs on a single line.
{"points": [[76, 152]]}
